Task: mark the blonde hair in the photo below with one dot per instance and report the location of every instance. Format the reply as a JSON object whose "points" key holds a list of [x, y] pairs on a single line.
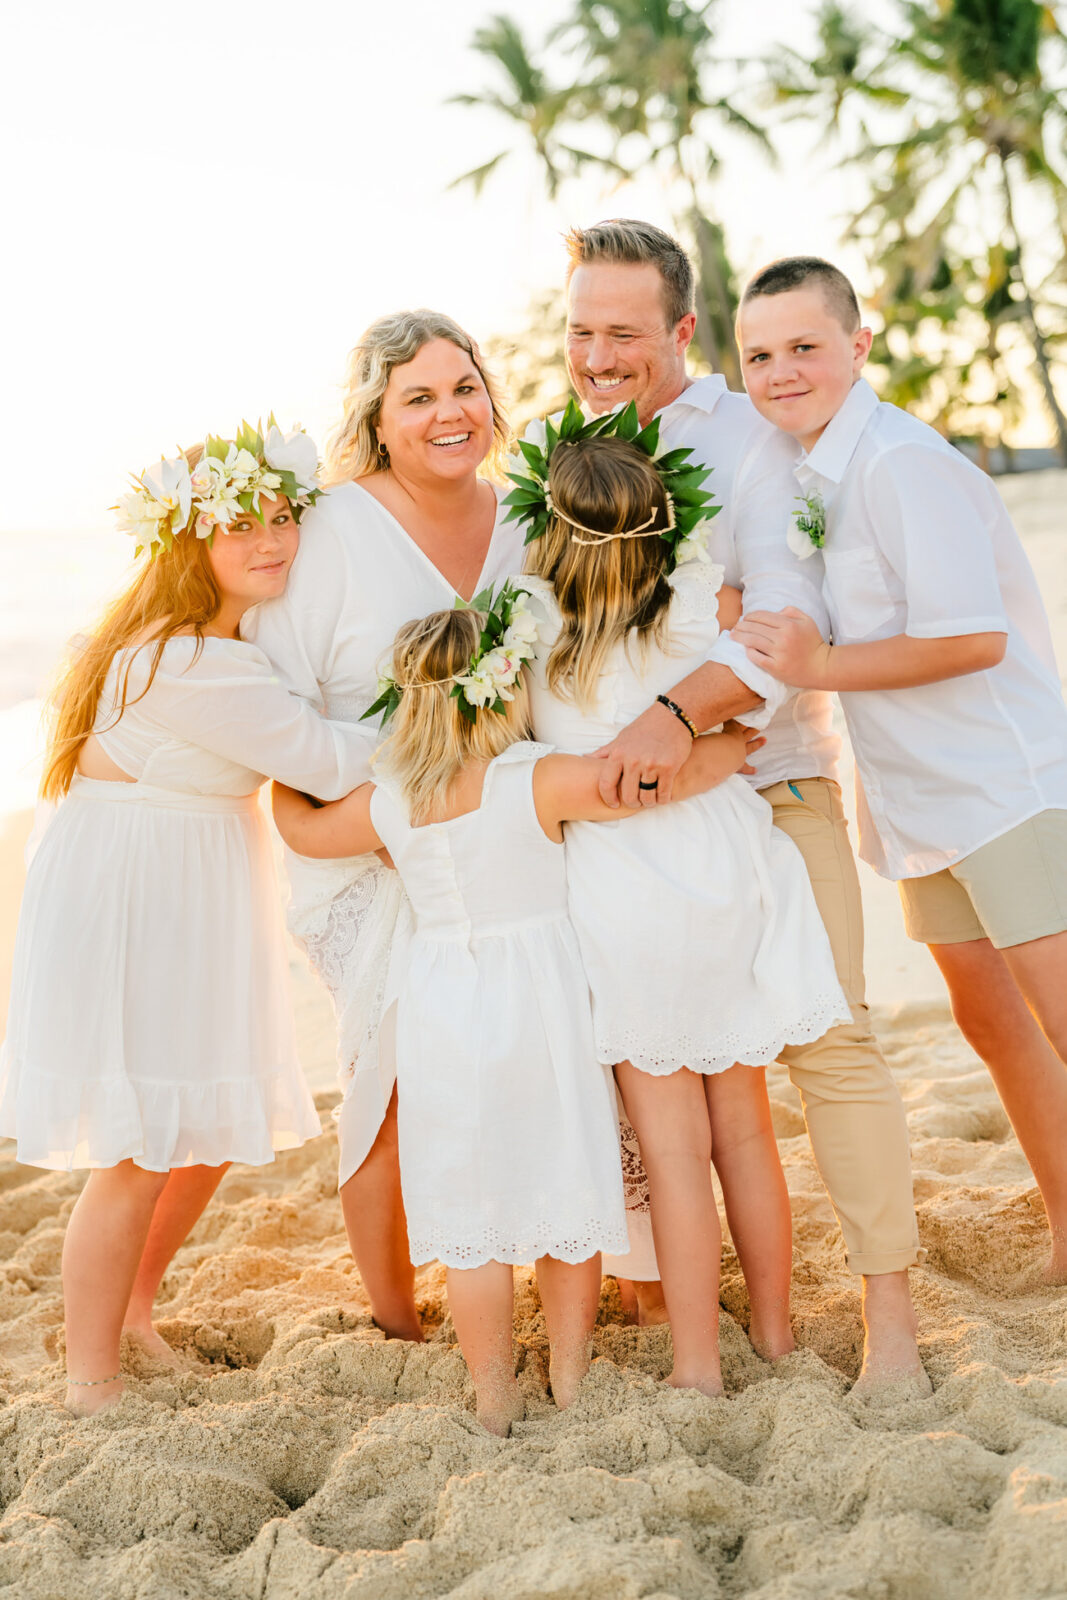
{"points": [[605, 591], [171, 594], [352, 450], [431, 741], [635, 243]]}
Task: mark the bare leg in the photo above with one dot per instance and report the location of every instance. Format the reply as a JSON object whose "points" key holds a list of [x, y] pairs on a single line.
{"points": [[890, 1338], [178, 1210], [101, 1252], [745, 1153], [989, 1003], [642, 1301], [671, 1118], [377, 1228], [482, 1303], [570, 1294]]}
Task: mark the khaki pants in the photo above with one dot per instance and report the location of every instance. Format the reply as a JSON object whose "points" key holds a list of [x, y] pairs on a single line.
{"points": [[852, 1106]]}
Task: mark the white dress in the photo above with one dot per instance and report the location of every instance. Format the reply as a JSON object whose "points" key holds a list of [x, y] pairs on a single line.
{"points": [[150, 1014], [697, 924], [508, 1141], [358, 575]]}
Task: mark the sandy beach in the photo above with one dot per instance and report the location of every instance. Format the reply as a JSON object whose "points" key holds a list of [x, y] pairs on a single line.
{"points": [[296, 1451]]}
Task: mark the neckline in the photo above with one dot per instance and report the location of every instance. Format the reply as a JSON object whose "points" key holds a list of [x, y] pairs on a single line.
{"points": [[421, 553]]}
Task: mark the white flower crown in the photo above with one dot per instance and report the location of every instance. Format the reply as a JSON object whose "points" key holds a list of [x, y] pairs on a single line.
{"points": [[506, 643], [171, 498]]}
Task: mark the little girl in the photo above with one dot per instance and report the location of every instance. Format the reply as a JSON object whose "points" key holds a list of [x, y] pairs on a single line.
{"points": [[697, 925], [507, 1125], [150, 1037]]}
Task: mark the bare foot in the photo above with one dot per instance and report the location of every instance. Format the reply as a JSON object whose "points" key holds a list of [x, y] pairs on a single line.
{"points": [[89, 1400], [709, 1383], [499, 1405], [1055, 1273], [153, 1344], [891, 1360], [651, 1306], [402, 1325], [565, 1374], [772, 1343]]}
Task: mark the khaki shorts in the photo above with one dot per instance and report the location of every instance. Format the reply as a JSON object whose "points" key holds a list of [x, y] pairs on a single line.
{"points": [[1009, 891]]}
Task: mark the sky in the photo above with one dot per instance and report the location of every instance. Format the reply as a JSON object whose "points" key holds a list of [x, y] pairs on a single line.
{"points": [[206, 203]]}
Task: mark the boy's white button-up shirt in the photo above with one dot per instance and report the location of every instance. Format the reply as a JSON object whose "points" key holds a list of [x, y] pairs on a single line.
{"points": [[918, 541]]}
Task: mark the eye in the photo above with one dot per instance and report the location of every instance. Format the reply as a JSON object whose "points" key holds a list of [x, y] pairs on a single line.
{"points": [[760, 355], [622, 338], [465, 388], [801, 348], [417, 399], [577, 333]]}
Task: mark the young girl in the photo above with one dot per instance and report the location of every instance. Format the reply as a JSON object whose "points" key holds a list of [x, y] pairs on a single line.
{"points": [[507, 1127], [150, 1036], [696, 922]]}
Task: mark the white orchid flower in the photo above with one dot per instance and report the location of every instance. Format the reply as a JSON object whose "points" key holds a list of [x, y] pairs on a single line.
{"points": [[293, 452], [479, 689], [694, 547]]}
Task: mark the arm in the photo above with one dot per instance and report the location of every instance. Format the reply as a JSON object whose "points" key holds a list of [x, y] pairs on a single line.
{"points": [[790, 647], [566, 788], [342, 828]]}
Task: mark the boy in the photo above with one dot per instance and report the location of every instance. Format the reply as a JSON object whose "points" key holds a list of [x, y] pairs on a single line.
{"points": [[942, 656]]}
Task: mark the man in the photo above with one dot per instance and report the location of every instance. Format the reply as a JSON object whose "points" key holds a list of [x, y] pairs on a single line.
{"points": [[630, 321]]}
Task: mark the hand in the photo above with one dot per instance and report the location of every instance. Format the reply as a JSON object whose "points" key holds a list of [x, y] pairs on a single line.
{"points": [[650, 750], [787, 644], [751, 741]]}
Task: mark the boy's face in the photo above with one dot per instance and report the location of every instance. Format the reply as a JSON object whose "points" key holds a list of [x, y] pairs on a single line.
{"points": [[798, 359]]}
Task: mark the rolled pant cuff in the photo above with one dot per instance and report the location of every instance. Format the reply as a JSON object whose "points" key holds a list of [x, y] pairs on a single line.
{"points": [[872, 1266]]}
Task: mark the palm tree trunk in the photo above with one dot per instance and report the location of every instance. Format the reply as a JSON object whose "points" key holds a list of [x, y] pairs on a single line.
{"points": [[715, 330], [1037, 339]]}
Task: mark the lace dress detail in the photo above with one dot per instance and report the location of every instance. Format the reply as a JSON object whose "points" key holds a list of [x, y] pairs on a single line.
{"points": [[634, 1176]]}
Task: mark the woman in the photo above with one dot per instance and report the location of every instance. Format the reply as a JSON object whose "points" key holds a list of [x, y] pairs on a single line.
{"points": [[150, 1037], [406, 527]]}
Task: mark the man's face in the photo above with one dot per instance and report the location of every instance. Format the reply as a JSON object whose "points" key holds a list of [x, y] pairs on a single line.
{"points": [[798, 359], [620, 346]]}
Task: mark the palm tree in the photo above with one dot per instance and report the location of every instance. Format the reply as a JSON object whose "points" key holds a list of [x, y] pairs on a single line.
{"points": [[971, 80]]}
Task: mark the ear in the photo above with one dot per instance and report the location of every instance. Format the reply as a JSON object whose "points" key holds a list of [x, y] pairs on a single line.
{"points": [[684, 331], [861, 349]]}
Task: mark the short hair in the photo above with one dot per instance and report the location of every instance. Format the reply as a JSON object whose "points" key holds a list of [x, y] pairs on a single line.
{"points": [[637, 243], [794, 272]]}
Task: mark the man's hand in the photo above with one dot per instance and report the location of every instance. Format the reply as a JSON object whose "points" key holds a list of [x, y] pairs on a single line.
{"points": [[649, 751], [787, 644]]}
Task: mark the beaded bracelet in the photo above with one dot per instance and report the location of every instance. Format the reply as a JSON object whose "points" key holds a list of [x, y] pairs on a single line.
{"points": [[663, 700], [91, 1383]]}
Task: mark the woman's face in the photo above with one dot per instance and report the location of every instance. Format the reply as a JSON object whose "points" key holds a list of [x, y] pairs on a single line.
{"points": [[436, 418], [251, 560]]}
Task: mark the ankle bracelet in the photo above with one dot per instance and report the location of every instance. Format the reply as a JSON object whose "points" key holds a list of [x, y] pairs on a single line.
{"points": [[91, 1383]]}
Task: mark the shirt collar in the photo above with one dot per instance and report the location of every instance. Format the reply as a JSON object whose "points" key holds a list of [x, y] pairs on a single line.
{"points": [[703, 394], [834, 449]]}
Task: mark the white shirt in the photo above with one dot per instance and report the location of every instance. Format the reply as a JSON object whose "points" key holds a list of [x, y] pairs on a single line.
{"points": [[918, 541], [752, 480]]}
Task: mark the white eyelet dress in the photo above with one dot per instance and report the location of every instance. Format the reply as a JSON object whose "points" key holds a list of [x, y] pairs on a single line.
{"points": [[150, 1016], [508, 1136], [697, 923]]}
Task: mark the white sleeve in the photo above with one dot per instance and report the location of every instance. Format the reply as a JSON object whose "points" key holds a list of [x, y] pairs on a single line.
{"points": [[297, 631], [231, 702], [765, 492], [933, 531]]}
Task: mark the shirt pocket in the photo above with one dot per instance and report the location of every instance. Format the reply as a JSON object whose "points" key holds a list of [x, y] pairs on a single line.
{"points": [[858, 594]]}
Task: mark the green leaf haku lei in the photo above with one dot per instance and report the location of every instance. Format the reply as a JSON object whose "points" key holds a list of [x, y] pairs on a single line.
{"points": [[504, 645], [683, 479]]}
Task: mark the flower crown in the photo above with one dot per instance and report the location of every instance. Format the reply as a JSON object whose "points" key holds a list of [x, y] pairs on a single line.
{"points": [[689, 504], [226, 483], [505, 643]]}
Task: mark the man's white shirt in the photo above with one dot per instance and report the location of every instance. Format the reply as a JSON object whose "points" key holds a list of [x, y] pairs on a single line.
{"points": [[752, 481], [918, 541]]}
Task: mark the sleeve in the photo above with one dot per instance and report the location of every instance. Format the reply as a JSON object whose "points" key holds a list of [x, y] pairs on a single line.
{"points": [[933, 530], [772, 577], [296, 631], [230, 701]]}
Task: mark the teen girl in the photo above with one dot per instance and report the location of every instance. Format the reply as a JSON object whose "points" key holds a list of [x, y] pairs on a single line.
{"points": [[150, 1037], [697, 925], [507, 1125]]}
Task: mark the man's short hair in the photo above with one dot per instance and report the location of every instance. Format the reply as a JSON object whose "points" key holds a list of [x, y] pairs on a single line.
{"points": [[624, 239], [796, 272]]}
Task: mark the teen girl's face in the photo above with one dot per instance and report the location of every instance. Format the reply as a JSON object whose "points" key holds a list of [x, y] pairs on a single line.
{"points": [[799, 360], [436, 418], [251, 560]]}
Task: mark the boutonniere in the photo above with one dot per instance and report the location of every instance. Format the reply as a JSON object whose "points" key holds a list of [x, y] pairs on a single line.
{"points": [[807, 527]]}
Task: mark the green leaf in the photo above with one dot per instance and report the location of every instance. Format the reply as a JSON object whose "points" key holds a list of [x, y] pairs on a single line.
{"points": [[534, 457], [216, 447], [628, 427], [648, 438]]}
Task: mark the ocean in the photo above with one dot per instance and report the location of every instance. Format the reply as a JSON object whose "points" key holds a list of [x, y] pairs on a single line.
{"points": [[54, 584]]}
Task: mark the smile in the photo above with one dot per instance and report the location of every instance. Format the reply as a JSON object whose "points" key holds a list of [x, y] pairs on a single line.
{"points": [[450, 438], [270, 566], [606, 383]]}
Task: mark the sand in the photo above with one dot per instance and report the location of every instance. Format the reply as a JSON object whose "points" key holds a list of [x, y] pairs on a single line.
{"points": [[298, 1452]]}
